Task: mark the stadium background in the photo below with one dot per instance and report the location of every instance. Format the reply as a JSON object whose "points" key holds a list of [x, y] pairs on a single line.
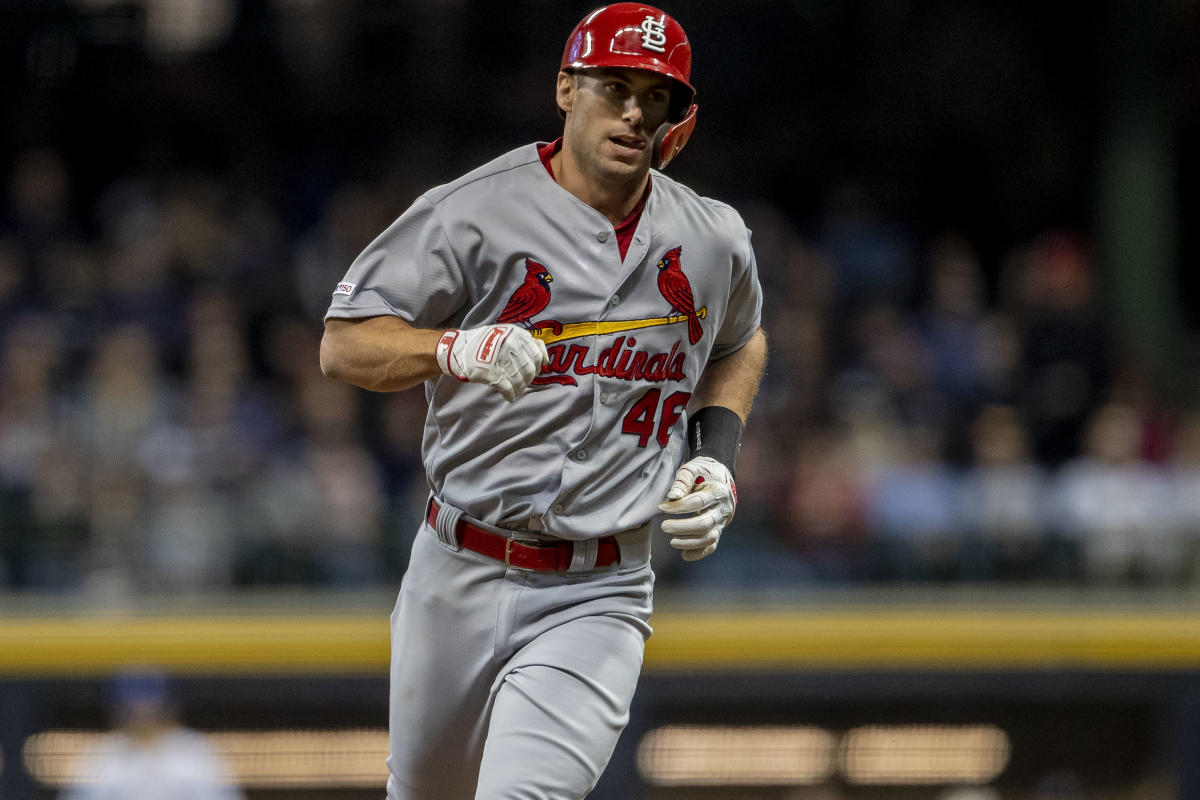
{"points": [[966, 554]]}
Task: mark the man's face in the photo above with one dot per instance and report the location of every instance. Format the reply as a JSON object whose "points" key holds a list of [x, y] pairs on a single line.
{"points": [[612, 115]]}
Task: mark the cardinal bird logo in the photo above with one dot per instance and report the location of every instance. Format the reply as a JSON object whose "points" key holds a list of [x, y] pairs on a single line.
{"points": [[677, 290], [530, 298]]}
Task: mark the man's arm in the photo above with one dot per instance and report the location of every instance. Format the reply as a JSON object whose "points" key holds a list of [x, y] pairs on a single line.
{"points": [[733, 381], [703, 491], [383, 354], [387, 354]]}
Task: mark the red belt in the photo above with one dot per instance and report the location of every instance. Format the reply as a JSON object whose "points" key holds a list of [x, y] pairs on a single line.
{"points": [[545, 556]]}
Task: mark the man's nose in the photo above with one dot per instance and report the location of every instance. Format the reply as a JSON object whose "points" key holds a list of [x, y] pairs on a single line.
{"points": [[633, 111]]}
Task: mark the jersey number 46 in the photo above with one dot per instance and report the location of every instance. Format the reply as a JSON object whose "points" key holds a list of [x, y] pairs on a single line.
{"points": [[640, 421]]}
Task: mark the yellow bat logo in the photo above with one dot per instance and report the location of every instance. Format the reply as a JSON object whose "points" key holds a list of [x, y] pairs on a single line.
{"points": [[550, 331]]}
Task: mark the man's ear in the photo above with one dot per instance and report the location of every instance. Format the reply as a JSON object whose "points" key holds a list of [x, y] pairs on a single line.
{"points": [[564, 93]]}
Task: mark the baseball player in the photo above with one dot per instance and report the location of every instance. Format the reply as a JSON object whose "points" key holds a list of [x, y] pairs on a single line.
{"points": [[587, 332]]}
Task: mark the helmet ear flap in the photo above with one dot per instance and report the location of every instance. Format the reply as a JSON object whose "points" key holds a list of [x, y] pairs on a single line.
{"points": [[669, 139]]}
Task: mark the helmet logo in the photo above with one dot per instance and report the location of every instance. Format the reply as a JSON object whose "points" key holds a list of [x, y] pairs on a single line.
{"points": [[654, 33]]}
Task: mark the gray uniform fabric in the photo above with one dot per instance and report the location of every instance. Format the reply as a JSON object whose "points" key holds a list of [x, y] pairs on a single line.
{"points": [[558, 460], [511, 684], [507, 683]]}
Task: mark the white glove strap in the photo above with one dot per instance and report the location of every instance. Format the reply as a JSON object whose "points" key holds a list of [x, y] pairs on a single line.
{"points": [[445, 346]]}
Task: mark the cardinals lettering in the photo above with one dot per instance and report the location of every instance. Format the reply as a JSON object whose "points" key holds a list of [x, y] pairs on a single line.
{"points": [[622, 360]]}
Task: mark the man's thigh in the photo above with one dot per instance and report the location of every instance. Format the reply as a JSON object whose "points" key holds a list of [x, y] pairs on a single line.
{"points": [[559, 709], [443, 668]]}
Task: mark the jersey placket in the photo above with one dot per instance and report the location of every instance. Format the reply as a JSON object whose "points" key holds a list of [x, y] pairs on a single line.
{"points": [[606, 252]]}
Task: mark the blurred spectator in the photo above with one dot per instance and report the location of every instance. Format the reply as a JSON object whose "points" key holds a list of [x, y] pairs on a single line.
{"points": [[1114, 507], [29, 360], [824, 519], [40, 198], [150, 755], [1003, 500], [31, 540], [136, 263], [1184, 473], [319, 509], [914, 514], [124, 396], [888, 349], [1067, 355], [998, 357], [952, 320]]}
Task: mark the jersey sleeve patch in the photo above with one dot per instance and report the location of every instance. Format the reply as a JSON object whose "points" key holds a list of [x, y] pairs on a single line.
{"points": [[344, 288]]}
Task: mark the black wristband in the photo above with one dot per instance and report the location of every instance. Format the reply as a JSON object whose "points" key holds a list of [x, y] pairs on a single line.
{"points": [[716, 432]]}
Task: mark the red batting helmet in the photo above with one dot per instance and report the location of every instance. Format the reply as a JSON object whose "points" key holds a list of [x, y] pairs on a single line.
{"points": [[638, 36]]}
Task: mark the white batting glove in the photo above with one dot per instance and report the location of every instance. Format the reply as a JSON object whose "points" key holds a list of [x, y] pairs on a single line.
{"points": [[505, 357], [704, 490]]}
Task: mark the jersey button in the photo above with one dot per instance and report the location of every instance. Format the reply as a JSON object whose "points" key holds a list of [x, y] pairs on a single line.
{"points": [[558, 509], [602, 236], [603, 398], [616, 300], [580, 455]]}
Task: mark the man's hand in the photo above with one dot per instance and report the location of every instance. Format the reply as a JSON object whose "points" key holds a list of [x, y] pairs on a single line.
{"points": [[705, 491], [505, 357]]}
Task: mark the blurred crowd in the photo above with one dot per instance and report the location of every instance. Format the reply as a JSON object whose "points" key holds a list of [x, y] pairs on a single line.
{"points": [[164, 425], [922, 422], [947, 398]]}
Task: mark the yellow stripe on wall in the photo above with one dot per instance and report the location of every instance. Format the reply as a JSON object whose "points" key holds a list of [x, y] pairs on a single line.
{"points": [[888, 638], [218, 644], [858, 638]]}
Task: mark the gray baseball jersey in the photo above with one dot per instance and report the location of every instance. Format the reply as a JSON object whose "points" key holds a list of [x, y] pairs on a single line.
{"points": [[593, 446]]}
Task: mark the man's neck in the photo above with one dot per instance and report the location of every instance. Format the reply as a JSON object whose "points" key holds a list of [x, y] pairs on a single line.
{"points": [[616, 201]]}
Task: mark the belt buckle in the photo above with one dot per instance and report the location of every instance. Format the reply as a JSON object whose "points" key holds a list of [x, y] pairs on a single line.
{"points": [[530, 541]]}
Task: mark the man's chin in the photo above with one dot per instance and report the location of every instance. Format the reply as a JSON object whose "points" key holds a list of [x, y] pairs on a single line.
{"points": [[626, 168]]}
